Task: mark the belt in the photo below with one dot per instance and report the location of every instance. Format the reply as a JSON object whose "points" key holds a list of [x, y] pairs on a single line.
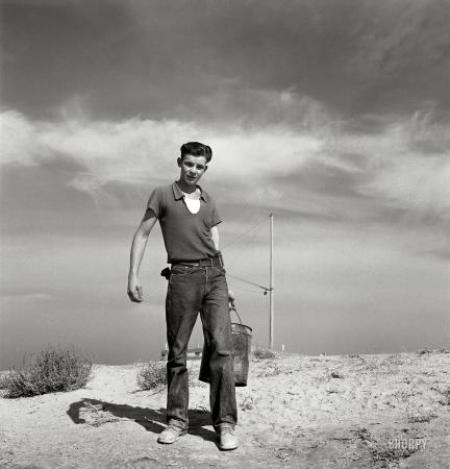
{"points": [[208, 262]]}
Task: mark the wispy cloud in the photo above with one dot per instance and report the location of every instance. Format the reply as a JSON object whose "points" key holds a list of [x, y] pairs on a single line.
{"points": [[137, 150], [404, 165]]}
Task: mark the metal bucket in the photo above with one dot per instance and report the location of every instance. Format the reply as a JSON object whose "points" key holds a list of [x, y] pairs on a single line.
{"points": [[241, 337]]}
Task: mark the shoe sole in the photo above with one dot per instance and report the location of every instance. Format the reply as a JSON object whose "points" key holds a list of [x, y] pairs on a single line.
{"points": [[171, 442], [228, 449]]}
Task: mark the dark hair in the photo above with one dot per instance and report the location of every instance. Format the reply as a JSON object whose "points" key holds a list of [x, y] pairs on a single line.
{"points": [[196, 149]]}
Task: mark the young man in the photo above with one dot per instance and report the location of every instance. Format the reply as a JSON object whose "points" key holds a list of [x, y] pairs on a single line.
{"points": [[197, 284]]}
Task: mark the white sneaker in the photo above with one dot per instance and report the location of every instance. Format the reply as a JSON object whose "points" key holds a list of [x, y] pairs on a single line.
{"points": [[227, 438], [171, 434]]}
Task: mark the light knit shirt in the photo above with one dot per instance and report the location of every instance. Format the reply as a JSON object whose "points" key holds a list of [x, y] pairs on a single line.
{"points": [[187, 235]]}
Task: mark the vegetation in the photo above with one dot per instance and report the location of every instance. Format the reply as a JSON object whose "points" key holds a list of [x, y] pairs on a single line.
{"points": [[152, 375], [263, 353], [52, 370]]}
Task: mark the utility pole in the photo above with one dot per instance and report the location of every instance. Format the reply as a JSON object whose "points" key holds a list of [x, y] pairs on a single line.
{"points": [[271, 285]]}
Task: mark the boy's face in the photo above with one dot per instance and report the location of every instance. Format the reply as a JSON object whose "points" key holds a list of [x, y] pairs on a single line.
{"points": [[191, 169]]}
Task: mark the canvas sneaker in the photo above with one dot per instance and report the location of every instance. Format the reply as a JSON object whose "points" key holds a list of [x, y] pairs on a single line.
{"points": [[227, 438], [171, 434]]}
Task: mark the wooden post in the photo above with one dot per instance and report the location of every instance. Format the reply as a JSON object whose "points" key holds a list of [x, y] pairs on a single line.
{"points": [[271, 285]]}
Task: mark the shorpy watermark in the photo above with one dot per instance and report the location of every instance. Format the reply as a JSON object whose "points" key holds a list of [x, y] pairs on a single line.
{"points": [[410, 444]]}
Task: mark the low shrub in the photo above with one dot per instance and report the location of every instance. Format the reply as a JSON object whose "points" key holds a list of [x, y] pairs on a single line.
{"points": [[52, 370], [152, 375], [263, 353]]}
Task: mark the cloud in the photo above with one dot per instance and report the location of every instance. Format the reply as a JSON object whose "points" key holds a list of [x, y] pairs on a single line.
{"points": [[408, 164], [18, 139], [136, 151], [332, 114], [325, 167], [171, 60]]}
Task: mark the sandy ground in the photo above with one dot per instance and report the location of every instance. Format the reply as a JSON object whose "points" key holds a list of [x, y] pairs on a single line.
{"points": [[359, 411]]}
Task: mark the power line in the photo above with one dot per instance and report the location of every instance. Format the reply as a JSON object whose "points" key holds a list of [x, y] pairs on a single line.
{"points": [[234, 241], [244, 289], [266, 289], [243, 234]]}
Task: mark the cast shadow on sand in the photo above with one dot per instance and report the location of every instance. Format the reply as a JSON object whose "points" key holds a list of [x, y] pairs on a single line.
{"points": [[94, 412]]}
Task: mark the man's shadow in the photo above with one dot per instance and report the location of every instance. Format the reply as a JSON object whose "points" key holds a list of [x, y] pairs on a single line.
{"points": [[96, 412]]}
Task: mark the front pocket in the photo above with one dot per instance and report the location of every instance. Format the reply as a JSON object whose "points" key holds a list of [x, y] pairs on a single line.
{"points": [[180, 274], [220, 270]]}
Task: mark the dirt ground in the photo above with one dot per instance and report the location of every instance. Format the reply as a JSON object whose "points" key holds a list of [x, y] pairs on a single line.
{"points": [[358, 411]]}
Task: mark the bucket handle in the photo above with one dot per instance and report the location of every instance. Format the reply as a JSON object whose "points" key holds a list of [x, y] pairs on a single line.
{"points": [[237, 314]]}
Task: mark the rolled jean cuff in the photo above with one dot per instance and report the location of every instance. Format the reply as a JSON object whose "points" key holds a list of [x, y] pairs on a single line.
{"points": [[177, 423]]}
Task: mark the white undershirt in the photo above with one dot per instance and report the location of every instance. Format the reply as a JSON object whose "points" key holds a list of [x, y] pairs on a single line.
{"points": [[192, 201]]}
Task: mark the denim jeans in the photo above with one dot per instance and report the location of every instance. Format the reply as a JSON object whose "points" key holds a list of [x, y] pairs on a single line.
{"points": [[193, 290]]}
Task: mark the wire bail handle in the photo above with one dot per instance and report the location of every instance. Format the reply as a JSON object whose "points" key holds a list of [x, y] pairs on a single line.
{"points": [[237, 314]]}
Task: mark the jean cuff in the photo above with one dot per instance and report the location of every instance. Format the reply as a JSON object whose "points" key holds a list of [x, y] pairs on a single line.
{"points": [[178, 423]]}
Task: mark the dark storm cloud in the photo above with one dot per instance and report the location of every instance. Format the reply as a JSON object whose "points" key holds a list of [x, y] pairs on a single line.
{"points": [[348, 97], [189, 60]]}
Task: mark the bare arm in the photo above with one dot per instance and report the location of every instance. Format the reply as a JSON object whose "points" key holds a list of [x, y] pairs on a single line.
{"points": [[135, 292], [215, 236]]}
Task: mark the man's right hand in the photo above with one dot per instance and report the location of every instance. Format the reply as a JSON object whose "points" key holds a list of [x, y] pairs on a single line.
{"points": [[135, 291], [140, 239]]}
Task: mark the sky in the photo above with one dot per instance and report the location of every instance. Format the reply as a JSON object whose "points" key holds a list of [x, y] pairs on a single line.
{"points": [[332, 115]]}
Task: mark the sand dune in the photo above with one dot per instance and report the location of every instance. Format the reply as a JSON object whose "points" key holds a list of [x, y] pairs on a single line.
{"points": [[361, 411]]}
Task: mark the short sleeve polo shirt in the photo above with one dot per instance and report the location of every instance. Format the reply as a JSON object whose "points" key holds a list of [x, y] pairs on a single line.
{"points": [[187, 236]]}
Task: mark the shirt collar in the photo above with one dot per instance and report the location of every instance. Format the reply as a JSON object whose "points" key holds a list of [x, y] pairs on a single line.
{"points": [[178, 194]]}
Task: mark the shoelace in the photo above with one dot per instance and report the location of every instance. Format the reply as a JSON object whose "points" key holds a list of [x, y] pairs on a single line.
{"points": [[174, 428], [226, 429]]}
